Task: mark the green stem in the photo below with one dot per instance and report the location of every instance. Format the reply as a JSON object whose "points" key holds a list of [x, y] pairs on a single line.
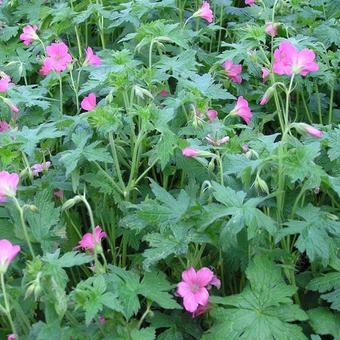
{"points": [[116, 161], [144, 315], [75, 90], [220, 32], [24, 226], [318, 102], [150, 53], [7, 306], [330, 112], [288, 100], [306, 108], [61, 94], [146, 171]]}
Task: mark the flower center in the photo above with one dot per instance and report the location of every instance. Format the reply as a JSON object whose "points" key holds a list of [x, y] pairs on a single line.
{"points": [[195, 287]]}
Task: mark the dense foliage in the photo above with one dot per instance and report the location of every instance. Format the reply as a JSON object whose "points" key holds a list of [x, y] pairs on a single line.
{"points": [[170, 169]]}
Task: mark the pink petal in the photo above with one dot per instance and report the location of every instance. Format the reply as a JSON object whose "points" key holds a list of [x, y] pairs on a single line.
{"points": [[189, 275], [183, 289], [202, 296], [190, 303], [204, 276]]}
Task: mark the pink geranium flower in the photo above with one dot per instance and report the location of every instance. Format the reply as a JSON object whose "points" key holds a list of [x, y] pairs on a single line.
{"points": [[190, 152], [8, 252], [29, 34], [89, 102], [89, 241], [212, 114], [271, 29], [57, 60], [92, 58], [265, 73], [11, 336], [164, 93], [4, 126], [58, 194], [5, 82], [38, 168], [242, 110], [288, 60], [205, 12], [233, 71], [8, 185], [249, 2], [194, 288]]}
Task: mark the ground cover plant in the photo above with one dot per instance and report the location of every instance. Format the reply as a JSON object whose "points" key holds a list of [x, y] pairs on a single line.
{"points": [[169, 169]]}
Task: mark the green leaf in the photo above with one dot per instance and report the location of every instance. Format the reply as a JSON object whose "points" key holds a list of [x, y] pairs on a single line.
{"points": [[44, 224], [263, 310], [324, 322], [73, 258], [242, 213], [334, 144], [91, 296], [315, 231], [155, 287], [148, 333]]}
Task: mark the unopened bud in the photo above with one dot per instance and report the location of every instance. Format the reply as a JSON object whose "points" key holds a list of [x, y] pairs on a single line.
{"points": [[267, 95], [71, 202], [261, 185]]}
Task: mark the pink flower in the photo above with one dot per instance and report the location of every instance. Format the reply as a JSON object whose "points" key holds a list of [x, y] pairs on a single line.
{"points": [[217, 142], [190, 152], [200, 310], [250, 2], [271, 29], [5, 82], [14, 108], [92, 58], [265, 73], [194, 289], [212, 114], [164, 93], [29, 34], [57, 60], [89, 103], [89, 241], [38, 168], [233, 71], [8, 252], [288, 60], [4, 126], [205, 12], [242, 109], [8, 185], [12, 337], [102, 320], [314, 132], [215, 281], [46, 67], [58, 194], [245, 148]]}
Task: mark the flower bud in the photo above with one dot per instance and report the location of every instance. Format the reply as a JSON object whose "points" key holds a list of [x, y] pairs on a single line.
{"points": [[261, 185], [306, 128], [71, 202], [267, 95]]}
